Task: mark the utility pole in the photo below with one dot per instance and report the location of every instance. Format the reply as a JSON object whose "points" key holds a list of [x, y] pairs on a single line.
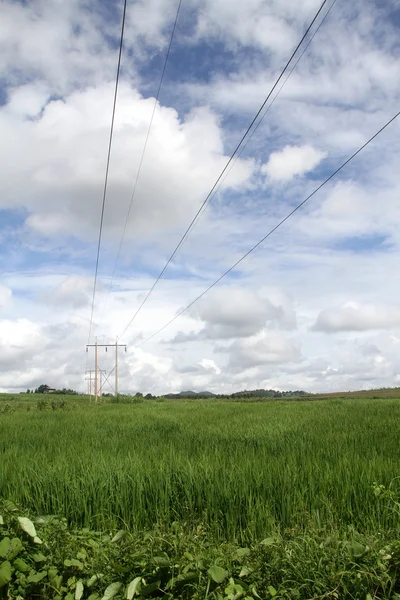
{"points": [[96, 346], [116, 363], [95, 371], [89, 379], [116, 368]]}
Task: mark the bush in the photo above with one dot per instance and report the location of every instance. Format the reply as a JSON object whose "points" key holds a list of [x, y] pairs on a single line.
{"points": [[42, 404]]}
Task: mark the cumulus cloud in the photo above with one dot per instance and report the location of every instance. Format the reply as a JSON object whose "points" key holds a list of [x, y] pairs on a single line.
{"points": [[59, 170], [291, 161], [18, 340], [63, 46], [55, 109], [74, 292], [268, 348], [234, 312], [353, 316], [5, 297]]}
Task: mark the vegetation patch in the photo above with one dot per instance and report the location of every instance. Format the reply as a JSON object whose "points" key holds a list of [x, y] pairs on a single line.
{"points": [[43, 558], [210, 500]]}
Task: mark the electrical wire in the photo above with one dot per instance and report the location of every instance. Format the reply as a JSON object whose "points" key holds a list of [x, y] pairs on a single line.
{"points": [[107, 167], [142, 158], [270, 105], [270, 232], [191, 225]]}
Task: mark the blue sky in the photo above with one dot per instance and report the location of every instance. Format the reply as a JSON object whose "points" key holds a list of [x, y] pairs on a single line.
{"points": [[301, 310]]}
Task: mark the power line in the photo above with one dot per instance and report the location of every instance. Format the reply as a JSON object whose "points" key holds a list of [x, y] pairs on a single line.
{"points": [[142, 156], [271, 104], [271, 231], [209, 195], [107, 166]]}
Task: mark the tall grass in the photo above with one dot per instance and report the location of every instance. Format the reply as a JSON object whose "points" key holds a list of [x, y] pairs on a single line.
{"points": [[242, 469]]}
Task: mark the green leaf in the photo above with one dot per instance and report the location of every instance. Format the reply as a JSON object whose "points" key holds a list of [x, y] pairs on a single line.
{"points": [[93, 579], [182, 578], [1, 520], [52, 572], [146, 590], [73, 563], [161, 561], [20, 565], [234, 590], [133, 588], [217, 574], [94, 596], [120, 569], [269, 541], [16, 546], [39, 557], [37, 540], [118, 536], [242, 552], [79, 590], [112, 591], [254, 592], [36, 577], [357, 549], [27, 526], [4, 547], [272, 590], [5, 573], [245, 571], [10, 506]]}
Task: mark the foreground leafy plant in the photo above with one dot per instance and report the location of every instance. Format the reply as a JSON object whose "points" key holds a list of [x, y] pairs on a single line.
{"points": [[187, 562]]}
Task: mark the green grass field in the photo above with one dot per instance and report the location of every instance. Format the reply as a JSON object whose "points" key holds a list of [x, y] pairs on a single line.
{"points": [[244, 471], [239, 467]]}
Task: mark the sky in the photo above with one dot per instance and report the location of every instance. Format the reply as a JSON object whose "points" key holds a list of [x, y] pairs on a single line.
{"points": [[315, 307]]}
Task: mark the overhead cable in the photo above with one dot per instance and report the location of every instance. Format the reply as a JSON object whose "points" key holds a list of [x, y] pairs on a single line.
{"points": [[142, 157], [292, 212], [107, 167], [209, 195]]}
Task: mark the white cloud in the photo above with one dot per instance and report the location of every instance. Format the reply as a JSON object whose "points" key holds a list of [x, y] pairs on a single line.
{"points": [[18, 339], [209, 364], [273, 26], [352, 316], [268, 348], [291, 161], [235, 312], [59, 169], [60, 44], [74, 292], [27, 100], [56, 100], [5, 297]]}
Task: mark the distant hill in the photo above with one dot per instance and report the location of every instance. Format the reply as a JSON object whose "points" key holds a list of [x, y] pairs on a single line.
{"points": [[237, 395], [190, 394]]}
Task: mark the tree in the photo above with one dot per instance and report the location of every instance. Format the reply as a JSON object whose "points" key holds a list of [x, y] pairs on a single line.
{"points": [[42, 389]]}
